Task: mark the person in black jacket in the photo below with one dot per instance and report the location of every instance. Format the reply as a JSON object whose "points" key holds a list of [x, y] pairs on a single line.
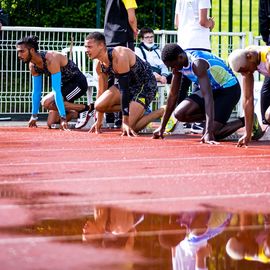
{"points": [[120, 29], [264, 24]]}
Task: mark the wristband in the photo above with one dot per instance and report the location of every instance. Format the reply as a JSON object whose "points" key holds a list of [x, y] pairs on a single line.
{"points": [[123, 81]]}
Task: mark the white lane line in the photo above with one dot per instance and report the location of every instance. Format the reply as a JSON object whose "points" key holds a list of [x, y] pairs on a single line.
{"points": [[100, 148], [124, 160], [38, 239], [86, 148], [45, 239], [135, 177], [186, 198], [123, 202]]}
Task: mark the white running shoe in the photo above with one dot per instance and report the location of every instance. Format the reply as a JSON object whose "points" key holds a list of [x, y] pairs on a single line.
{"points": [[178, 129], [83, 119], [233, 137], [266, 135], [90, 121], [197, 128]]}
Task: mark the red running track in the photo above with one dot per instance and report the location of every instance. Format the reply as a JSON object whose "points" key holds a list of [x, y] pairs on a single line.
{"points": [[136, 172]]}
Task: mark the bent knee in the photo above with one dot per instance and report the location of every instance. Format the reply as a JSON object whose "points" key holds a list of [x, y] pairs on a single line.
{"points": [[47, 104], [100, 107], [53, 118], [179, 114], [267, 115]]}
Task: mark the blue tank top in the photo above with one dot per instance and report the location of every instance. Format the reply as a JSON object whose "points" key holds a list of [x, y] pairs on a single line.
{"points": [[220, 75]]}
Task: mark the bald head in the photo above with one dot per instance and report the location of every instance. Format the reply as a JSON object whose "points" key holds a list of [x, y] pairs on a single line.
{"points": [[235, 249]]}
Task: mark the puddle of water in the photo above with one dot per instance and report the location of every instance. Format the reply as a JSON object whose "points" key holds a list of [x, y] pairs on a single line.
{"points": [[105, 237]]}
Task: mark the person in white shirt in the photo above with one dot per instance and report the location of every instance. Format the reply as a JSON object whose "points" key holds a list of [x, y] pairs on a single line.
{"points": [[193, 24], [149, 51], [193, 32]]}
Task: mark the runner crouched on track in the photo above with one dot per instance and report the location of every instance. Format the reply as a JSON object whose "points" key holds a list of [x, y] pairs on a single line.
{"points": [[215, 94], [247, 61], [67, 81], [133, 90]]}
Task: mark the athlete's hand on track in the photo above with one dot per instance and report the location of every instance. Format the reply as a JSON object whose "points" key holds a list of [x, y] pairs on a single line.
{"points": [[64, 125], [96, 128], [126, 129], [32, 123], [243, 141], [208, 138], [158, 133]]}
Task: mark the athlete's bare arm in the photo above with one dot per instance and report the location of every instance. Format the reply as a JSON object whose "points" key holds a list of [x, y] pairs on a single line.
{"points": [[248, 106], [123, 59], [200, 68], [102, 86]]}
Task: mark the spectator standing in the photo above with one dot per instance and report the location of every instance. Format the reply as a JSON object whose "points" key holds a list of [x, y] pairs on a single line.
{"points": [[120, 23], [193, 24], [120, 29], [193, 32]]}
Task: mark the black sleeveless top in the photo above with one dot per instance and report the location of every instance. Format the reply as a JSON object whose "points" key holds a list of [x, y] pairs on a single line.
{"points": [[140, 73], [69, 72]]}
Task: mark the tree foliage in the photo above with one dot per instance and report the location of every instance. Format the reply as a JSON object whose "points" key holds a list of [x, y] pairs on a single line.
{"points": [[158, 14], [82, 13]]}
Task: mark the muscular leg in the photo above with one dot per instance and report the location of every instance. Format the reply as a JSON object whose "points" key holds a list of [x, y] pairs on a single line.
{"points": [[54, 118], [221, 131], [48, 103], [224, 102], [138, 120], [265, 100], [267, 115], [189, 111], [109, 101]]}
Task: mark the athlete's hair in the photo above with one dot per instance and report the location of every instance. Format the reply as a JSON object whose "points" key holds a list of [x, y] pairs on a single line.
{"points": [[170, 52], [29, 42], [145, 30], [97, 36], [237, 59]]}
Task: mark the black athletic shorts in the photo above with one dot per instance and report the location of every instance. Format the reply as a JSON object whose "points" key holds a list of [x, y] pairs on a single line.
{"points": [[225, 100], [75, 88]]}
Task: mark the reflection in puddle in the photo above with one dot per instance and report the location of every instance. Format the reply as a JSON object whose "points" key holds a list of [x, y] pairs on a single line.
{"points": [[211, 239]]}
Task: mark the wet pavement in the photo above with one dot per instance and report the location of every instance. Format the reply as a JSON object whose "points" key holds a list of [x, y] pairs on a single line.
{"points": [[79, 201], [33, 236]]}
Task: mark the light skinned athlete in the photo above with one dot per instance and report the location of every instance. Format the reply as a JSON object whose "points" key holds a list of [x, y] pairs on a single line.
{"points": [[67, 82], [134, 89]]}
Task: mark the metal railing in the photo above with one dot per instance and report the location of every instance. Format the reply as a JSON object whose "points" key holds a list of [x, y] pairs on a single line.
{"points": [[15, 78]]}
